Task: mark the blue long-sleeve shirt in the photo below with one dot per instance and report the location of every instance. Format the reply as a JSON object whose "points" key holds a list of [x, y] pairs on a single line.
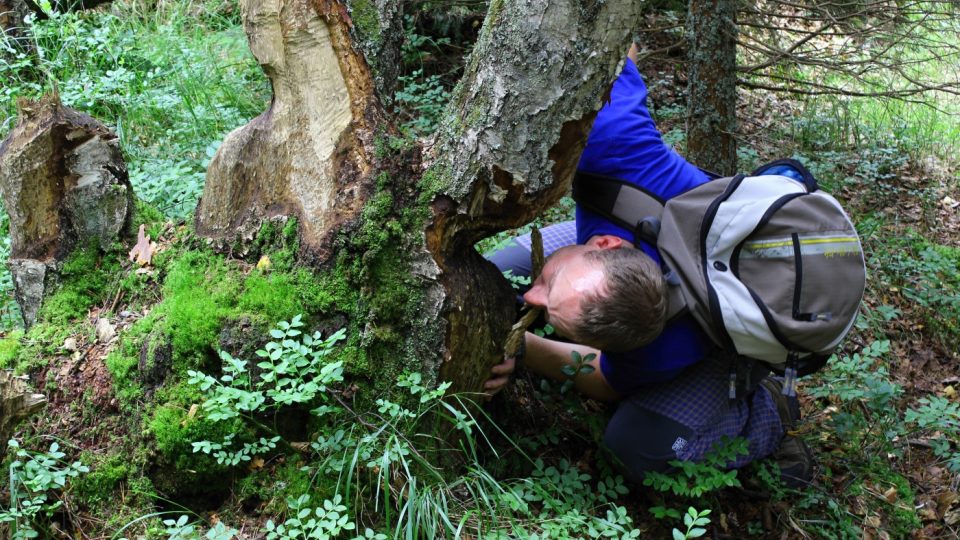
{"points": [[625, 144]]}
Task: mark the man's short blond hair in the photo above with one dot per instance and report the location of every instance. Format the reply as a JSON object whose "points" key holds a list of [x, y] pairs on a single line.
{"points": [[630, 308]]}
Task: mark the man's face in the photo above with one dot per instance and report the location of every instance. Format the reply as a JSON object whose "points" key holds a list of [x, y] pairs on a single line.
{"points": [[565, 279]]}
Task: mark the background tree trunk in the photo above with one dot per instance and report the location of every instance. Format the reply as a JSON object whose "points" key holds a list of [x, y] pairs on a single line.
{"points": [[712, 85], [378, 32]]}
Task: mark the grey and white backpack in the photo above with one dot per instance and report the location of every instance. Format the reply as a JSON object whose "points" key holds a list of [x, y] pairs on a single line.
{"points": [[769, 265]]}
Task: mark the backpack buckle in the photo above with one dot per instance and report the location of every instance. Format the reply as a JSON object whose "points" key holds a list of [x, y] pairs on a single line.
{"points": [[648, 230]]}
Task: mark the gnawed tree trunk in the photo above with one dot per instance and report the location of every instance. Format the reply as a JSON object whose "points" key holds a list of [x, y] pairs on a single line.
{"points": [[325, 152], [311, 154], [712, 85], [64, 185], [516, 126]]}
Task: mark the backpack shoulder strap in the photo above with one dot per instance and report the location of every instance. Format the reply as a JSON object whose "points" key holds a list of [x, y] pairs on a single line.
{"points": [[625, 204], [790, 168], [631, 207]]}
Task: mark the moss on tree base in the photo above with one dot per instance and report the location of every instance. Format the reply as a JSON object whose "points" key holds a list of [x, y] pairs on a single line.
{"points": [[131, 393]]}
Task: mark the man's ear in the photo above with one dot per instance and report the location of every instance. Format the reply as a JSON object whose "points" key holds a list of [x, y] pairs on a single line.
{"points": [[606, 241]]}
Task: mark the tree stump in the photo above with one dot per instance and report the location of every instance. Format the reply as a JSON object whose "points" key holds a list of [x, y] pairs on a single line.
{"points": [[64, 185], [17, 401]]}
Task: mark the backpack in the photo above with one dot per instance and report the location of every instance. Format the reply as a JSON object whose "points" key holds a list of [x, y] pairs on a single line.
{"points": [[769, 265]]}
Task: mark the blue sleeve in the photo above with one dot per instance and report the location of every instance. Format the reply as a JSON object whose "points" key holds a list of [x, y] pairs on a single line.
{"points": [[624, 143], [681, 344]]}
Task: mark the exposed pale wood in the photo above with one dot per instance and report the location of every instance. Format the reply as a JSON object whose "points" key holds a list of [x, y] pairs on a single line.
{"points": [[310, 154]]}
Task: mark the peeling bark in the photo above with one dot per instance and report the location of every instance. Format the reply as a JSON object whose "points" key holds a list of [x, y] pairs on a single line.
{"points": [[310, 154], [712, 85], [64, 185], [17, 401]]}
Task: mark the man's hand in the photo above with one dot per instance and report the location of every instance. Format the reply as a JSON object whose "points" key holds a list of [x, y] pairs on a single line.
{"points": [[500, 376]]}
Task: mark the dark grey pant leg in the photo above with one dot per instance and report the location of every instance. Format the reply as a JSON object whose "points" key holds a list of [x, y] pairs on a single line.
{"points": [[643, 440]]}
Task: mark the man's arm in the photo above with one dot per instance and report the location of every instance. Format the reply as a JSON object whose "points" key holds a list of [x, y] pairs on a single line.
{"points": [[547, 357]]}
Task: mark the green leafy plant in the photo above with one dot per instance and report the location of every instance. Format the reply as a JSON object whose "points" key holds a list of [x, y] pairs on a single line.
{"points": [[424, 98], [321, 522], [294, 370], [182, 529], [34, 479], [933, 281], [422, 95], [862, 383], [516, 281], [696, 478], [940, 416], [580, 366], [695, 522]]}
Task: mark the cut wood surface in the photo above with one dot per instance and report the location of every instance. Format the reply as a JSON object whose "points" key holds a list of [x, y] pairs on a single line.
{"points": [[310, 154]]}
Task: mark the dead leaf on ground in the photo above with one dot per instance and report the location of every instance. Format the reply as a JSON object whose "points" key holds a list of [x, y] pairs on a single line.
{"points": [[300, 446], [927, 513], [891, 495], [945, 501], [952, 517], [143, 250]]}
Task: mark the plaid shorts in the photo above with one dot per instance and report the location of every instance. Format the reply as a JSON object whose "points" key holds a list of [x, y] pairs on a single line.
{"points": [[554, 237], [699, 398]]}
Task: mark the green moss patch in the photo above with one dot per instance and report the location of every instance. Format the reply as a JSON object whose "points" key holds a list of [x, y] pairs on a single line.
{"points": [[9, 347], [174, 429], [198, 293], [88, 277]]}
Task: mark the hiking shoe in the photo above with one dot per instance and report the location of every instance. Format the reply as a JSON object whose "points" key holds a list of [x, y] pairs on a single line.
{"points": [[793, 456]]}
